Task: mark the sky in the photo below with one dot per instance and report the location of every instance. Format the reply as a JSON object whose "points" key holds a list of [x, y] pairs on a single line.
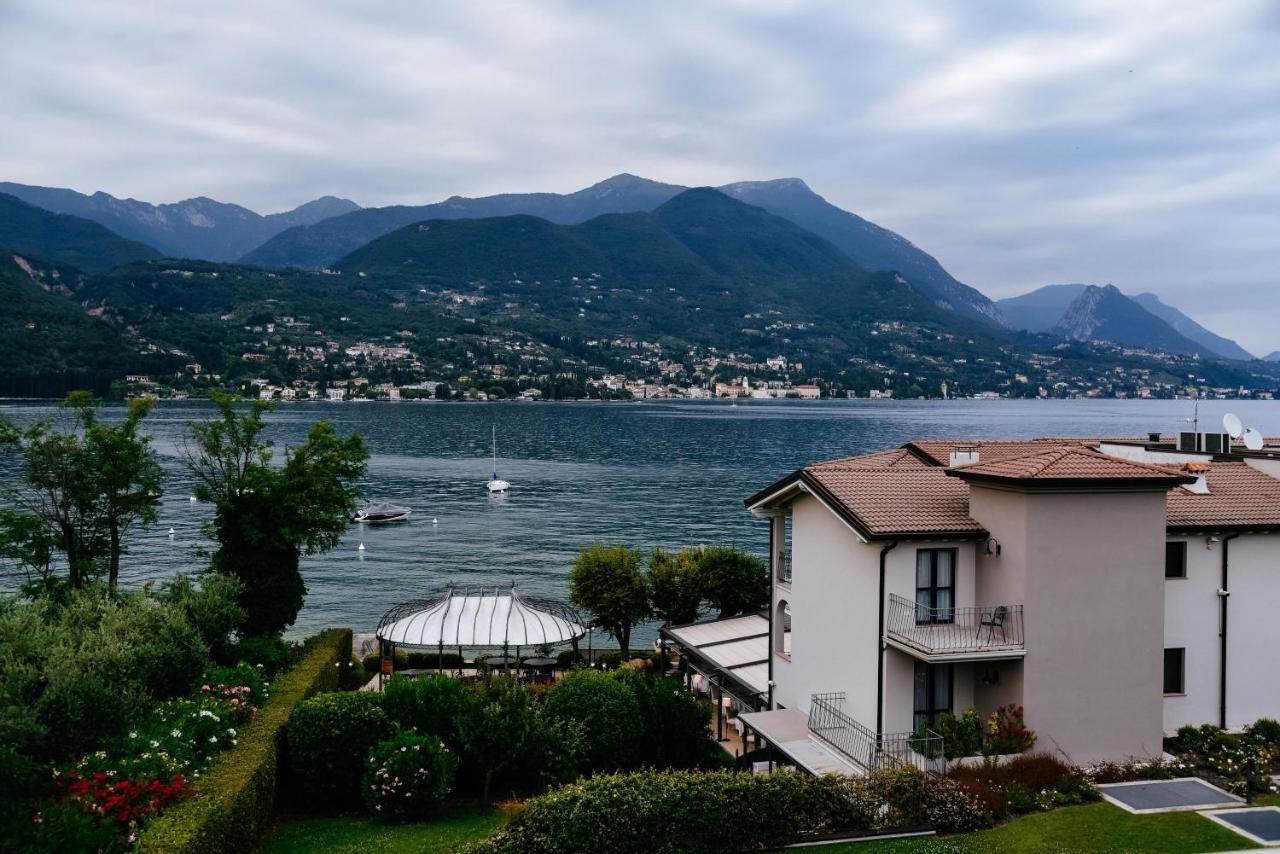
{"points": [[1020, 143]]}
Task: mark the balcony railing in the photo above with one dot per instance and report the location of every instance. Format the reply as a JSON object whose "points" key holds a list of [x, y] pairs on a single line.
{"points": [[829, 723], [784, 567], [987, 629]]}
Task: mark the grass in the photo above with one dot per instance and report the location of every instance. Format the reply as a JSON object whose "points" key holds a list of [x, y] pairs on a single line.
{"points": [[1095, 827], [361, 833]]}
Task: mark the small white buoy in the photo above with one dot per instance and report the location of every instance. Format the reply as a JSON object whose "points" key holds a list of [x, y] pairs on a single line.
{"points": [[192, 499], [361, 548], [172, 532], [435, 521]]}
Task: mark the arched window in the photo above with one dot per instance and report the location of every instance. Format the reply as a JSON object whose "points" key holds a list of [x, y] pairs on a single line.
{"points": [[782, 629]]}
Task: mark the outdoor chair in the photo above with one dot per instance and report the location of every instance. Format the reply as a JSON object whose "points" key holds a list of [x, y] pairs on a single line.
{"points": [[993, 622]]}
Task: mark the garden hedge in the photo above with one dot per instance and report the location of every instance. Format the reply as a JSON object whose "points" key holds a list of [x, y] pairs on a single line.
{"points": [[235, 798]]}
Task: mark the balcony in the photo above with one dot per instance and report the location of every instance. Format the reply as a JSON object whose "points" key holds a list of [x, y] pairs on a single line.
{"points": [[954, 634], [784, 567], [869, 751]]}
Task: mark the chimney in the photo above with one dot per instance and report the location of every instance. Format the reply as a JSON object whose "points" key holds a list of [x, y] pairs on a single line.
{"points": [[964, 455]]}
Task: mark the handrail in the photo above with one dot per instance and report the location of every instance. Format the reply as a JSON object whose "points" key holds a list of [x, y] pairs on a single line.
{"points": [[828, 722], [940, 631]]}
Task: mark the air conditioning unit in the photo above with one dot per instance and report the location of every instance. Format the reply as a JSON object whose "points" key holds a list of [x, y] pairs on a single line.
{"points": [[1204, 443]]}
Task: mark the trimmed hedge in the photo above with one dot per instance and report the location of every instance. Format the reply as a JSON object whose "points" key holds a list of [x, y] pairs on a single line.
{"points": [[235, 798], [675, 812]]}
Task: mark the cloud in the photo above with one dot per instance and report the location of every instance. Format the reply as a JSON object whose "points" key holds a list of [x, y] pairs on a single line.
{"points": [[1019, 143]]}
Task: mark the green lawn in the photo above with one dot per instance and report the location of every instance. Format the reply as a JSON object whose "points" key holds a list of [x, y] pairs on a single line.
{"points": [[1095, 827], [361, 833]]}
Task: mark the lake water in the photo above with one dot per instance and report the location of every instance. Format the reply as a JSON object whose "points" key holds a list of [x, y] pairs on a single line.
{"points": [[644, 474]]}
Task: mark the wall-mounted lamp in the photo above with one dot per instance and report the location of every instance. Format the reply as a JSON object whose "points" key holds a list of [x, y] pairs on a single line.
{"points": [[993, 546], [1208, 544]]}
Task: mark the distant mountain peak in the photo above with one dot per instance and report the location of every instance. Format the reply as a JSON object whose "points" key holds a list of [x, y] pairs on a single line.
{"points": [[775, 184]]}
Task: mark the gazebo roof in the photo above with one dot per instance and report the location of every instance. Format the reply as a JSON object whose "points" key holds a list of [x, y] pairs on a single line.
{"points": [[484, 618]]}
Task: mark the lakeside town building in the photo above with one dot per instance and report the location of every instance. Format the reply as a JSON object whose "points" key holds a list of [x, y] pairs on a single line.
{"points": [[1116, 589]]}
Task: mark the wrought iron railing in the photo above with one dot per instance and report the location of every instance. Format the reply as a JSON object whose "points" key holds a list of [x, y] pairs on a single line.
{"points": [[941, 631], [784, 567], [828, 721]]}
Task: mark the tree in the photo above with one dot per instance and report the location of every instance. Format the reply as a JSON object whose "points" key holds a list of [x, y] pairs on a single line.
{"points": [[497, 724], [674, 586], [267, 517], [732, 581], [607, 582], [125, 473], [82, 489]]}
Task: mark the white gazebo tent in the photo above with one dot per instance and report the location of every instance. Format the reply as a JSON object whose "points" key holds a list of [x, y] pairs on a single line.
{"points": [[480, 618]]}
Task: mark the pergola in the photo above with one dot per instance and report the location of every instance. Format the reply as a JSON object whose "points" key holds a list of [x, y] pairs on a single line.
{"points": [[484, 617]]}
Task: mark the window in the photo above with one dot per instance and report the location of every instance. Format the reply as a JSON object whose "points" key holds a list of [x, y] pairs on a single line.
{"points": [[1175, 670], [782, 630], [784, 551], [1175, 559], [933, 684], [935, 585]]}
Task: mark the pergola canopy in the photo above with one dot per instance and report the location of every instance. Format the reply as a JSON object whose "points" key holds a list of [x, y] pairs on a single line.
{"points": [[480, 618]]}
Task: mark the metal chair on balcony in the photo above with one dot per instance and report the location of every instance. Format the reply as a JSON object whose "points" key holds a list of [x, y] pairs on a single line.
{"points": [[993, 622]]}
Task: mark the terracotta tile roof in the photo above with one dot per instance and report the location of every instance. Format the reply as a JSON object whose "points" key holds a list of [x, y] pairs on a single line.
{"points": [[898, 458], [910, 501], [938, 451], [1239, 496], [1066, 463]]}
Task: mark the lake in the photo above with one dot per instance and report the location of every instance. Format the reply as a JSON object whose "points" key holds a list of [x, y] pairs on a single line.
{"points": [[644, 474]]}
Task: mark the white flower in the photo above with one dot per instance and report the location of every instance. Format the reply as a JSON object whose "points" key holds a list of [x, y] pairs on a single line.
{"points": [[154, 743], [230, 731], [133, 735], [176, 733], [213, 739]]}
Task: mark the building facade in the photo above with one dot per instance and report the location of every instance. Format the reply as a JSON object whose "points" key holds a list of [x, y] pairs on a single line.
{"points": [[1115, 589]]}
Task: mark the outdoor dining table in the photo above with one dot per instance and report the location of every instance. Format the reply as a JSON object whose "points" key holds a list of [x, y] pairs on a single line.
{"points": [[539, 668], [540, 663], [500, 661]]}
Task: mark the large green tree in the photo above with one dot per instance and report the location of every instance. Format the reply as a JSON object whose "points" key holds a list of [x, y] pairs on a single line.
{"points": [[267, 516], [732, 581], [83, 487], [674, 586], [607, 582]]}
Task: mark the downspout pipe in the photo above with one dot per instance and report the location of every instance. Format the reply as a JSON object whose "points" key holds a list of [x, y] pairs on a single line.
{"points": [[884, 554], [773, 601], [1224, 593]]}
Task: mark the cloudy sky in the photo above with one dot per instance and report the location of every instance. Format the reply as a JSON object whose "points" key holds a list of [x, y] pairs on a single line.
{"points": [[1136, 143]]}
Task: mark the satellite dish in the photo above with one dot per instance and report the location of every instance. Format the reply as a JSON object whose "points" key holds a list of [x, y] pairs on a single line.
{"points": [[1253, 440], [1232, 424]]}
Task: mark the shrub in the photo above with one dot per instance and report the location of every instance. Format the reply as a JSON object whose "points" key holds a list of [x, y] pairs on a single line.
{"points": [[1008, 732], [329, 738], [428, 704], [675, 724], [1266, 731], [270, 651], [961, 736], [1026, 784], [1137, 769], [236, 796], [211, 607], [950, 808], [408, 775], [690, 811], [608, 712]]}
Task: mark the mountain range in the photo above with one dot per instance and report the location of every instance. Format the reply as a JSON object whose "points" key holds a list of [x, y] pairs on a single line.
{"points": [[867, 244], [1093, 312], [768, 266], [194, 228]]}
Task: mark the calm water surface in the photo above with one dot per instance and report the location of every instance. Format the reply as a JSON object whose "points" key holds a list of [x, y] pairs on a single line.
{"points": [[644, 474]]}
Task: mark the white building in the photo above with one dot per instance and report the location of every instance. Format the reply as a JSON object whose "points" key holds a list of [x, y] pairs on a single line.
{"points": [[336, 394], [1115, 589]]}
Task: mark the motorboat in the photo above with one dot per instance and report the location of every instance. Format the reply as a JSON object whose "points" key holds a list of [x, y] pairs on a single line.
{"points": [[496, 485], [382, 511]]}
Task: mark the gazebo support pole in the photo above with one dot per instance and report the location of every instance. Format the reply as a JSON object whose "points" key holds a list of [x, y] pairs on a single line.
{"points": [[440, 657], [459, 661], [719, 710]]}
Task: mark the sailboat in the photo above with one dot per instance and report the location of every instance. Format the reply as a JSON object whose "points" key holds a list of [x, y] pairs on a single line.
{"points": [[496, 485]]}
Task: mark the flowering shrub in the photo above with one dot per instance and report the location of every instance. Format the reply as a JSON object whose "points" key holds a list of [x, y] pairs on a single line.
{"points": [[124, 802], [408, 775], [1008, 732], [950, 808], [1026, 784], [1137, 769], [1244, 763]]}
